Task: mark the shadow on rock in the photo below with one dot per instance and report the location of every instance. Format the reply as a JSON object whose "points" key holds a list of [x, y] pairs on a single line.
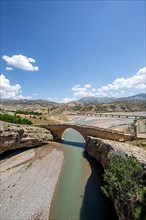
{"points": [[95, 204]]}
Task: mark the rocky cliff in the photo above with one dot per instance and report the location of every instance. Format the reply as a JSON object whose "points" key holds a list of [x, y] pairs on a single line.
{"points": [[100, 149], [14, 136]]}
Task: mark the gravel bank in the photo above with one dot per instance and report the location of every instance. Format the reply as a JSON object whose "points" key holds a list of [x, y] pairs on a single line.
{"points": [[27, 186], [119, 124]]}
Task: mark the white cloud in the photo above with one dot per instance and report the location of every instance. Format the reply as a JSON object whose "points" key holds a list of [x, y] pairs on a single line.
{"points": [[21, 62], [117, 88], [8, 91], [66, 100], [23, 97], [35, 94], [49, 98], [9, 68], [87, 86], [82, 91], [101, 94], [138, 81]]}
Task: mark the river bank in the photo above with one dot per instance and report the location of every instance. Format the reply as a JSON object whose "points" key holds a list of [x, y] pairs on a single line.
{"points": [[28, 181], [120, 124]]}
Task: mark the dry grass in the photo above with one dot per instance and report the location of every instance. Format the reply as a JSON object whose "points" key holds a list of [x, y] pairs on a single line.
{"points": [[139, 143]]}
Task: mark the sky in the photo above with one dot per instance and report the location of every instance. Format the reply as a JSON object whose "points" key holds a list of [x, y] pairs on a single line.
{"points": [[65, 50]]}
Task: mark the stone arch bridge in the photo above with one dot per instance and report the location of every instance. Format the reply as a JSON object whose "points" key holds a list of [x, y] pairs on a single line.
{"points": [[58, 130]]}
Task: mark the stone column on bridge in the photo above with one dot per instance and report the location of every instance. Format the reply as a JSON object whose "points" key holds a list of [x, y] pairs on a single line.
{"points": [[135, 130]]}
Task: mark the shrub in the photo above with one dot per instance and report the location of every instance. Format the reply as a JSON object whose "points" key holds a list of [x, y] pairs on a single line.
{"points": [[28, 112], [21, 132], [14, 119], [124, 178]]}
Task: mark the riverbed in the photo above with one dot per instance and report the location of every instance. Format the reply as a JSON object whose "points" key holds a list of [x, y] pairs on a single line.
{"points": [[78, 195]]}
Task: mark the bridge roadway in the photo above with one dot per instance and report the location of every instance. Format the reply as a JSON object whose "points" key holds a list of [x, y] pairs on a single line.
{"points": [[112, 115], [86, 130]]}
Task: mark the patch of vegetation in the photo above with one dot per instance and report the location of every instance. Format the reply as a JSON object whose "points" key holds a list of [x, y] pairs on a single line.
{"points": [[124, 183], [140, 210], [21, 132], [87, 108], [14, 119], [28, 113], [139, 142], [128, 130], [51, 108], [77, 108], [101, 108]]}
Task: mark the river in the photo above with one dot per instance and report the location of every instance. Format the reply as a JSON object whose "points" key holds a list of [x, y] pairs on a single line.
{"points": [[78, 195]]}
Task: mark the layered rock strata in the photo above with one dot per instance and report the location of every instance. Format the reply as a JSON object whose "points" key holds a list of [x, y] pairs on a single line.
{"points": [[13, 136], [100, 148]]}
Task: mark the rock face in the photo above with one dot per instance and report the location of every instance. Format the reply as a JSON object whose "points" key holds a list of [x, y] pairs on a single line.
{"points": [[14, 136], [100, 149]]}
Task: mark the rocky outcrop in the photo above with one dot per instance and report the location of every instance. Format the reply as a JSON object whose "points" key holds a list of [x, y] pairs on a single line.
{"points": [[14, 136], [100, 148]]}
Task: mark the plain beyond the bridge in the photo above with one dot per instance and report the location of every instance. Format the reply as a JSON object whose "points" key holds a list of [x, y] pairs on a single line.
{"points": [[122, 124]]}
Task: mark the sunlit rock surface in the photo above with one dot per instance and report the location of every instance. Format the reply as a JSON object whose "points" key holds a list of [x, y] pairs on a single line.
{"points": [[14, 136]]}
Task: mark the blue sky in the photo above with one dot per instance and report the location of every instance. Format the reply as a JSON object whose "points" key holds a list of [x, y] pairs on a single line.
{"points": [[65, 50]]}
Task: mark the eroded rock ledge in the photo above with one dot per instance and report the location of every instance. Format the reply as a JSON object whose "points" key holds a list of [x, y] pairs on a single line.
{"points": [[13, 136], [100, 148]]}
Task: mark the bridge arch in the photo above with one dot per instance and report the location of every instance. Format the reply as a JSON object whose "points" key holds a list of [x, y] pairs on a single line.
{"points": [[73, 137], [74, 129], [57, 131]]}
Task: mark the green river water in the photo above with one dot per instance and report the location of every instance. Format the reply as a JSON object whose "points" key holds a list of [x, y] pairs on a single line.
{"points": [[78, 195]]}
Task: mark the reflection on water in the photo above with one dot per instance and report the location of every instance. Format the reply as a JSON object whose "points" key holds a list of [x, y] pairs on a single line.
{"points": [[78, 195]]}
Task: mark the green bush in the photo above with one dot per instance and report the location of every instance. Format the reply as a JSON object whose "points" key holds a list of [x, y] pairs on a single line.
{"points": [[21, 132], [28, 112], [14, 119], [124, 179], [76, 108]]}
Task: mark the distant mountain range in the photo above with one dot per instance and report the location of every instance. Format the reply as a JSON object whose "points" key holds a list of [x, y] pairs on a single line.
{"points": [[27, 101], [99, 100], [91, 99], [139, 97]]}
